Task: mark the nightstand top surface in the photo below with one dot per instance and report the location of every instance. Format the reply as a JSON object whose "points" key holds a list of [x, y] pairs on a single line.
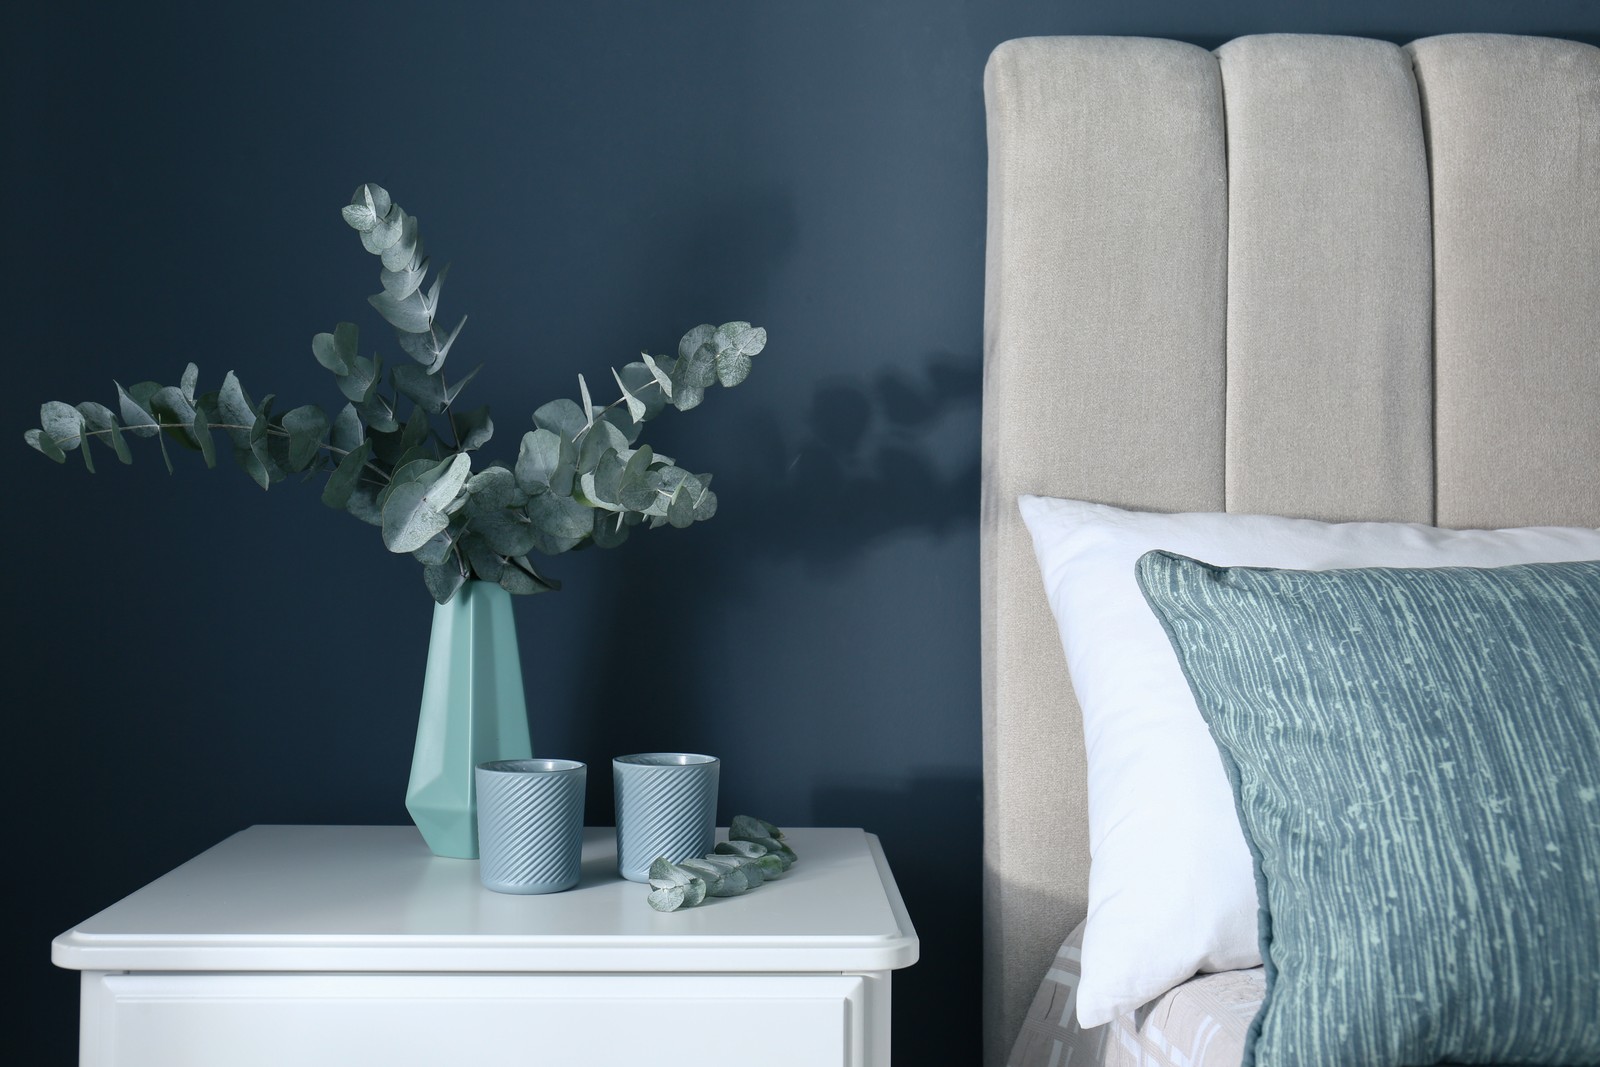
{"points": [[373, 898]]}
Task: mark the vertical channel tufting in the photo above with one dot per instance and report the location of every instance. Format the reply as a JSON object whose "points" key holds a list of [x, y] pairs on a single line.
{"points": [[1514, 138], [1329, 281], [1103, 359]]}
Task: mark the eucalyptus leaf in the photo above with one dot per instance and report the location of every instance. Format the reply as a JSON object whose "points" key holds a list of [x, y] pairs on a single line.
{"points": [[358, 383], [670, 899], [621, 420], [200, 430], [454, 391], [588, 405], [546, 462], [378, 412], [662, 375], [416, 429], [403, 282], [485, 562], [490, 490], [430, 347], [103, 423], [695, 339], [347, 430], [236, 411], [368, 204], [700, 366], [443, 579], [475, 428], [409, 520], [175, 413], [386, 230], [135, 418], [434, 551], [509, 531], [602, 437], [342, 482], [517, 579], [402, 253], [559, 522], [680, 513], [363, 502], [187, 383], [409, 314], [251, 464], [430, 300], [424, 389], [750, 828], [45, 443], [307, 426], [562, 417], [63, 422], [636, 407]]}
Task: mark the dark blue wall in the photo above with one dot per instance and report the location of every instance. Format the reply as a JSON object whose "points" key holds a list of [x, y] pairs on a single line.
{"points": [[189, 656]]}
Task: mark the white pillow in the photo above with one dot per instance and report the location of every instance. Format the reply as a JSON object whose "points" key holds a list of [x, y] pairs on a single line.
{"points": [[1171, 888]]}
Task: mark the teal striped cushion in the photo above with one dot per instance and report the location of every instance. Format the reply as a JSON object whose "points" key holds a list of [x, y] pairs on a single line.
{"points": [[1415, 755]]}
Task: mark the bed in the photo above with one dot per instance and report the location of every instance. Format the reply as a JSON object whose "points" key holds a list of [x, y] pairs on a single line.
{"points": [[1323, 278]]}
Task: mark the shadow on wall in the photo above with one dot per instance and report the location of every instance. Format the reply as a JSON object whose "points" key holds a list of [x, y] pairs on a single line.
{"points": [[896, 453], [942, 893], [891, 455]]}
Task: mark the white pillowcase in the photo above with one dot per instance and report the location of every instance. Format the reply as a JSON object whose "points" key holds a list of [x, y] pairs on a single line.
{"points": [[1171, 888]]}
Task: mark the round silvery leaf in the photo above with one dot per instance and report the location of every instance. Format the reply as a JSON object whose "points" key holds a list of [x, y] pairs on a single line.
{"points": [[490, 490], [307, 426], [367, 204], [425, 389], [443, 580], [409, 314], [45, 443], [485, 562], [409, 521], [546, 462], [400, 255], [342, 482], [138, 421], [559, 523], [563, 417], [692, 341], [509, 531], [475, 427], [359, 381], [519, 580], [63, 422], [347, 431], [669, 899], [386, 230]]}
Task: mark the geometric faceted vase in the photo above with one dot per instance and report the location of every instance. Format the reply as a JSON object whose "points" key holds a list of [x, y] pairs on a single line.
{"points": [[473, 711]]}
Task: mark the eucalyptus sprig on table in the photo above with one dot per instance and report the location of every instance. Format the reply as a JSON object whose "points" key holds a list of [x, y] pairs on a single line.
{"points": [[581, 476], [754, 853]]}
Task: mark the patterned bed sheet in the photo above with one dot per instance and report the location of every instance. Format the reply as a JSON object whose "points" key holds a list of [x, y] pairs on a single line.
{"points": [[1201, 1023]]}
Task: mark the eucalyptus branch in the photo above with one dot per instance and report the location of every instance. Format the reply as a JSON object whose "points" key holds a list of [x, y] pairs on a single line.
{"points": [[580, 476]]}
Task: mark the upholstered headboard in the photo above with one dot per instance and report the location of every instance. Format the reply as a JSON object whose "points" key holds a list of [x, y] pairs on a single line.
{"points": [[1316, 276]]}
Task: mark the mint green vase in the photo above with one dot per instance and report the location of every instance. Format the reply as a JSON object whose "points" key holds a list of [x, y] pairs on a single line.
{"points": [[473, 711]]}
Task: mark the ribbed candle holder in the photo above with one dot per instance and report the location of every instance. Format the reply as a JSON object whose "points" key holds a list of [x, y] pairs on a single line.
{"points": [[666, 806], [530, 824]]}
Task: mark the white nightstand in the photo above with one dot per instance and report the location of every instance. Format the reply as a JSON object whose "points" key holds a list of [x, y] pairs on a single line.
{"points": [[351, 945]]}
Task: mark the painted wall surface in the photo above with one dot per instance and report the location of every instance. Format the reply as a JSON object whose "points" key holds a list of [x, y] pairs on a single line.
{"points": [[189, 656]]}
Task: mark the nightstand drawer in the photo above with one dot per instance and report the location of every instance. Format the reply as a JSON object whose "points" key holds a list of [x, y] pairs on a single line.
{"points": [[268, 1020]]}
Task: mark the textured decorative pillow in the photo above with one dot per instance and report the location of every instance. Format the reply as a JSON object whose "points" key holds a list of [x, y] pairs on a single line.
{"points": [[1416, 760], [1170, 885]]}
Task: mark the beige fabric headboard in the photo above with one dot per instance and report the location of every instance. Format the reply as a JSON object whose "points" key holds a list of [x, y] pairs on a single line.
{"points": [[1301, 275]]}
